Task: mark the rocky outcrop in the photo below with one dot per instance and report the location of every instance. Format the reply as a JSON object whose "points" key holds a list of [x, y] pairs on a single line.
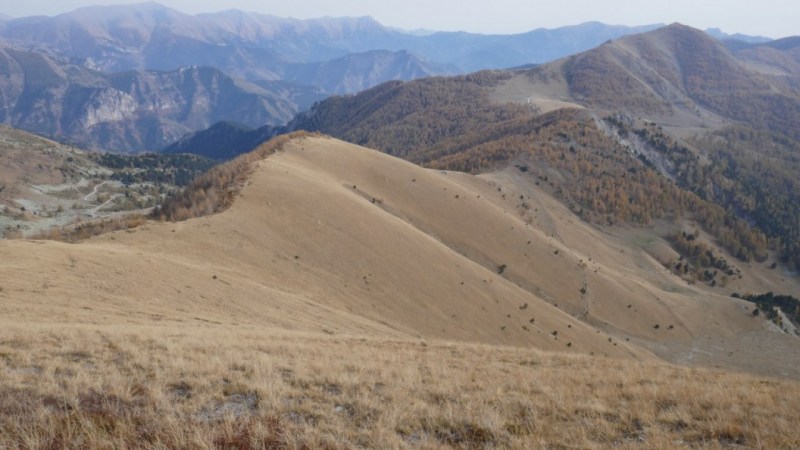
{"points": [[128, 111]]}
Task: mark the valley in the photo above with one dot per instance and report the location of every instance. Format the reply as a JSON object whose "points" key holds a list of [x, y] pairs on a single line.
{"points": [[47, 188]]}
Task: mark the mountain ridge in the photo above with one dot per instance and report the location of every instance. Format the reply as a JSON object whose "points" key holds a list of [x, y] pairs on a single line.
{"points": [[675, 78], [296, 62], [282, 40]]}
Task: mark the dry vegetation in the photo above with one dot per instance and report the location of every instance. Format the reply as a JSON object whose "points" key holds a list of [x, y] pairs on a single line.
{"points": [[211, 192], [760, 178], [139, 387], [171, 337], [84, 230], [215, 190], [450, 124]]}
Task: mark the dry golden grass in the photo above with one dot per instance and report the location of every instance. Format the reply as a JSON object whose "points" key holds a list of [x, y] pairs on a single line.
{"points": [[82, 231], [217, 387], [319, 310], [215, 190]]}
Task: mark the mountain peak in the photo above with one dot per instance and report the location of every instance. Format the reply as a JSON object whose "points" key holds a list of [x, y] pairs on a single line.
{"points": [[679, 29], [136, 8], [679, 39]]}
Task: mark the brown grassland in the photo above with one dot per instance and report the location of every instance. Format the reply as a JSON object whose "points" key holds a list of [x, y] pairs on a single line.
{"points": [[213, 387], [341, 298]]}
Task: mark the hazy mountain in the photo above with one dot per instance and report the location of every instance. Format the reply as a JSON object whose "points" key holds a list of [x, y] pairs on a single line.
{"points": [[152, 36], [717, 33], [126, 111], [473, 52], [356, 72], [779, 57], [223, 140], [255, 46], [302, 95], [791, 43]]}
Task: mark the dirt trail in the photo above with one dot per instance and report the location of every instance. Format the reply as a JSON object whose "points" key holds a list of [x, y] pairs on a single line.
{"points": [[94, 191], [93, 211]]}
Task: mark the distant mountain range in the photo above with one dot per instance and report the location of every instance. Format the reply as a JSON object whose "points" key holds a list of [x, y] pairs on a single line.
{"points": [[735, 37], [676, 74], [127, 111], [138, 77], [780, 57], [257, 46], [359, 71]]}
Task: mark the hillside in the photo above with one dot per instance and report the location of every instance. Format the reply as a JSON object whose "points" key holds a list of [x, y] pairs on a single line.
{"points": [[626, 133], [366, 288], [406, 252], [720, 111], [345, 290], [221, 141], [780, 57], [356, 72], [250, 388], [675, 75], [452, 124], [46, 185]]}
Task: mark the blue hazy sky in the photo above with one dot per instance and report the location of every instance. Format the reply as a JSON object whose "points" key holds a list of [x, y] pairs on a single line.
{"points": [[773, 18]]}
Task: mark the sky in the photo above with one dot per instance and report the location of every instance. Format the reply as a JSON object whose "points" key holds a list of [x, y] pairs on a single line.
{"points": [[771, 18]]}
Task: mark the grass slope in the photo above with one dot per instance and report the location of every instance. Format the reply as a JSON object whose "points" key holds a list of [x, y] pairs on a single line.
{"points": [[212, 386], [325, 309]]}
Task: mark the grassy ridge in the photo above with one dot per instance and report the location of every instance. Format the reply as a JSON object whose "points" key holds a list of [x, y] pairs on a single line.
{"points": [[215, 190]]}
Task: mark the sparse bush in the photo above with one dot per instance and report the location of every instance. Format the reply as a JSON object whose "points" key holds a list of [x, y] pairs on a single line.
{"points": [[770, 303]]}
